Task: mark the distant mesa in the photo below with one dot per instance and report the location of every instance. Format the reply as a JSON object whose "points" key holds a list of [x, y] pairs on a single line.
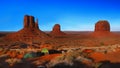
{"points": [[102, 25], [102, 29], [56, 31], [29, 32]]}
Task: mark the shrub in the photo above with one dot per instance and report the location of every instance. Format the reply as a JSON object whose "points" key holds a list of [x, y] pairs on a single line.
{"points": [[101, 43]]}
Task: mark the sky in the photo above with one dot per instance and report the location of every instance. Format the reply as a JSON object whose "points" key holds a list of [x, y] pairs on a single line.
{"points": [[72, 15]]}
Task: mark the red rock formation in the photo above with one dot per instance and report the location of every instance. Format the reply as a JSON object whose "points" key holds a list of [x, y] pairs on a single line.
{"points": [[57, 31], [29, 32], [32, 22], [102, 26], [36, 24], [102, 29], [26, 21], [29, 22], [56, 28]]}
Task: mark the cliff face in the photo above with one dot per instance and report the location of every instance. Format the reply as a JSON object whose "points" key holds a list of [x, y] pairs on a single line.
{"points": [[56, 31], [29, 32], [30, 23]]}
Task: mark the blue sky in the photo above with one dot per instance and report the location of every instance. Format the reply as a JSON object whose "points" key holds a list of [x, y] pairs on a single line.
{"points": [[75, 15]]}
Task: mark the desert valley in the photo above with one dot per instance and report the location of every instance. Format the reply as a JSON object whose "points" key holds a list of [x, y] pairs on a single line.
{"points": [[31, 47]]}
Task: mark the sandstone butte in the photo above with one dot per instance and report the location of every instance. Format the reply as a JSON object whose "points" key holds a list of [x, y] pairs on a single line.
{"points": [[102, 29], [29, 32], [56, 31], [102, 25]]}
